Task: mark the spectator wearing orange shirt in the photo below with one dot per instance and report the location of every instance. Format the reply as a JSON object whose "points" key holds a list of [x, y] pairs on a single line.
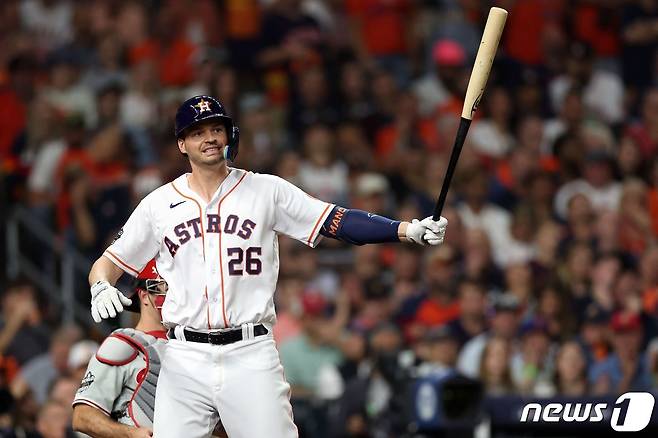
{"points": [[598, 24], [529, 26], [172, 52], [383, 34], [242, 27]]}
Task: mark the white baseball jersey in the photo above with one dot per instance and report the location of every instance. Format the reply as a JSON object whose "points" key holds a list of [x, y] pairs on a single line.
{"points": [[220, 259]]}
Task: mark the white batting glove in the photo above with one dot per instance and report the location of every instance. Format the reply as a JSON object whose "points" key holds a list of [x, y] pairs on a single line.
{"points": [[106, 301], [427, 231]]}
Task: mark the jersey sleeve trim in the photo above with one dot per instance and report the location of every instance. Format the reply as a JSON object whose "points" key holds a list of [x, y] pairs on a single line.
{"points": [[86, 401], [316, 228], [120, 263]]}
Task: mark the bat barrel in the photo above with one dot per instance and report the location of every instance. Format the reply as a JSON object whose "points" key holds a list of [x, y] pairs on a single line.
{"points": [[483, 61]]}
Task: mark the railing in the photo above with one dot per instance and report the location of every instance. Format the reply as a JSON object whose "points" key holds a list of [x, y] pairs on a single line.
{"points": [[59, 282]]}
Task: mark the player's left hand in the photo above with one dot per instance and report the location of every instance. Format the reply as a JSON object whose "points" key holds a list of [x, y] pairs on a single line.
{"points": [[427, 231]]}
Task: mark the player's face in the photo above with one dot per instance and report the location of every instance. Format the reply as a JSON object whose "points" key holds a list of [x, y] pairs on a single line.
{"points": [[153, 304], [204, 143]]}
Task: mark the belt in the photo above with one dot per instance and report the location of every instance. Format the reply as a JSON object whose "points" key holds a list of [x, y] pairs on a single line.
{"points": [[218, 337]]}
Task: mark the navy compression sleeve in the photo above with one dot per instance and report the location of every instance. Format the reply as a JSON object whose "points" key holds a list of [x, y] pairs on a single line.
{"points": [[359, 227]]}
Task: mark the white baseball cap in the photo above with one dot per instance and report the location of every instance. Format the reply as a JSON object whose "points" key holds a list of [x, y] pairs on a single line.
{"points": [[81, 353], [371, 184]]}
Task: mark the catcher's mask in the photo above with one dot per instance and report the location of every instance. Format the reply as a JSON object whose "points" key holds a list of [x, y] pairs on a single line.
{"points": [[149, 280]]}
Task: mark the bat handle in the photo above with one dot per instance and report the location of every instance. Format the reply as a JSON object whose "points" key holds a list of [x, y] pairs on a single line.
{"points": [[464, 124]]}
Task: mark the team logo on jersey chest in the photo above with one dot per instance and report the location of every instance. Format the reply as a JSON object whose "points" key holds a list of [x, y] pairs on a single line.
{"points": [[193, 229]]}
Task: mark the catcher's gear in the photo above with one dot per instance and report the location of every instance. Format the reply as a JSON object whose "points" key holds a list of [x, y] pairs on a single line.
{"points": [[121, 348], [106, 301], [202, 108]]}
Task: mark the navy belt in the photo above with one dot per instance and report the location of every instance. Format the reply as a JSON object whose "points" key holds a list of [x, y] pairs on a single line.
{"points": [[218, 338]]}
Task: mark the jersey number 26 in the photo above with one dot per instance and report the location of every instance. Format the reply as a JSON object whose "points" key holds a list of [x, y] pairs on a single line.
{"points": [[242, 261]]}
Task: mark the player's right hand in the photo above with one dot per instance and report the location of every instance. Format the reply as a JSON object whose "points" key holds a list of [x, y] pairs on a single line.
{"points": [[427, 231], [106, 301]]}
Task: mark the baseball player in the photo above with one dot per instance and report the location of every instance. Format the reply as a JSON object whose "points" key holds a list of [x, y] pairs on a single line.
{"points": [[117, 394], [214, 234]]}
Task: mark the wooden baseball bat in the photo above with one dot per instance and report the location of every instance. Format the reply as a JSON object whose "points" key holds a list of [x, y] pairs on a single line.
{"points": [[485, 56]]}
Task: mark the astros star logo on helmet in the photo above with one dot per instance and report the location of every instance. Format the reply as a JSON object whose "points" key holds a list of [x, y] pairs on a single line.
{"points": [[203, 106]]}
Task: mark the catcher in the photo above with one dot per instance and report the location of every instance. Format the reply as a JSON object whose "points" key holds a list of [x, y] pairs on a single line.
{"points": [[117, 394]]}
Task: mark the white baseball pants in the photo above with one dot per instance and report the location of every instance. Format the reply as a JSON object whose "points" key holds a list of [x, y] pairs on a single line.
{"points": [[241, 383]]}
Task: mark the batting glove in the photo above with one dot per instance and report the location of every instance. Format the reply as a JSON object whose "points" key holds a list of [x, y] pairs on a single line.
{"points": [[106, 301], [427, 231]]}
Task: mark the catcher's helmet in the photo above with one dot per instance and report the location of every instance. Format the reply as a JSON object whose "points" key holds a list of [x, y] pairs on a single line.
{"points": [[148, 280], [201, 108]]}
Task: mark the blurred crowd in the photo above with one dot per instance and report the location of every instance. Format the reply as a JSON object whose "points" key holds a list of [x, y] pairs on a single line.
{"points": [[548, 281]]}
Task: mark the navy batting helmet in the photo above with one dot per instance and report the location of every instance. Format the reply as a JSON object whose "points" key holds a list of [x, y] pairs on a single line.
{"points": [[201, 108]]}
